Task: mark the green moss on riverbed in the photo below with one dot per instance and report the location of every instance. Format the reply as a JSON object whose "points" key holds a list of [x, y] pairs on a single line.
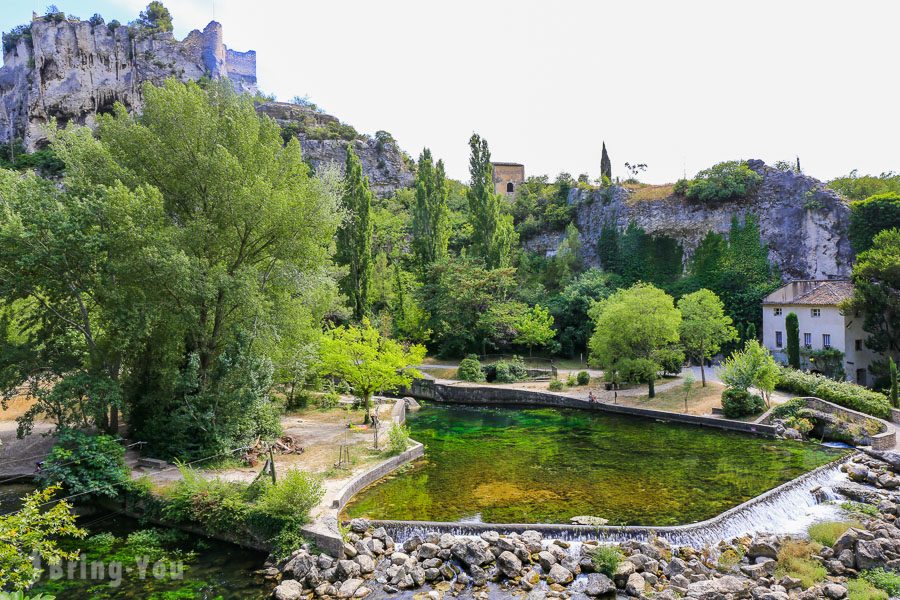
{"points": [[501, 465]]}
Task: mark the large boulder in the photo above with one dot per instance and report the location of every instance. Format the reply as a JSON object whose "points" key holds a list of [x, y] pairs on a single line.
{"points": [[509, 564], [560, 575], [289, 589]]}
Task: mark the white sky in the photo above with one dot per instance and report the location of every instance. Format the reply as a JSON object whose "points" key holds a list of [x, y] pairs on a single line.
{"points": [[678, 85]]}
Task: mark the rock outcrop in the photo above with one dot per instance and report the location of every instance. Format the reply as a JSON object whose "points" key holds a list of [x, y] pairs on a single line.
{"points": [[803, 223], [382, 160], [72, 70]]}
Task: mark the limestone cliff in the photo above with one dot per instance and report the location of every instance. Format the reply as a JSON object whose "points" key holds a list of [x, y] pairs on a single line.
{"points": [[324, 140], [803, 223], [72, 70]]}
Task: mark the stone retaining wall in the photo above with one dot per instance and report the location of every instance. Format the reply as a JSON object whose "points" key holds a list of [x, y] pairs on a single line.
{"points": [[375, 473], [503, 396]]}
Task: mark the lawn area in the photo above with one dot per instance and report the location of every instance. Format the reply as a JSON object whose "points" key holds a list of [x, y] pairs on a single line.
{"points": [[700, 402]]}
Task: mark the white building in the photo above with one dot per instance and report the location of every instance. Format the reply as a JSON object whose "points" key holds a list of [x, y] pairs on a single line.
{"points": [[822, 324]]}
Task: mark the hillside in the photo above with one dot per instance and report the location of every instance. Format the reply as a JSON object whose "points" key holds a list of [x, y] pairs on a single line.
{"points": [[803, 223]]}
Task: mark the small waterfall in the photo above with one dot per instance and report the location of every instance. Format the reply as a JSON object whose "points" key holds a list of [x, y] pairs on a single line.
{"points": [[788, 508]]}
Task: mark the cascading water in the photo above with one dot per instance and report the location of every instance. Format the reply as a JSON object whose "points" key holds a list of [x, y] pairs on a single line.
{"points": [[789, 508]]}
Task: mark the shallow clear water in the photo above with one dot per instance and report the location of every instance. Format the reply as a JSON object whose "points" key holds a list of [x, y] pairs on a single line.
{"points": [[519, 465], [212, 570]]}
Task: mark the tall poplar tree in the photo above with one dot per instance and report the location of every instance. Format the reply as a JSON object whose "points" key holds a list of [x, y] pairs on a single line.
{"points": [[354, 239], [493, 233], [430, 229]]}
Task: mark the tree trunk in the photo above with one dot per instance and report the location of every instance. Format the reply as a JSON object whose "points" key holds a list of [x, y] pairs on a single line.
{"points": [[702, 374], [367, 399], [651, 389], [113, 420]]}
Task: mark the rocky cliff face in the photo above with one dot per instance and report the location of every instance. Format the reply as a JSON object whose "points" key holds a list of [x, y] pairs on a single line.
{"points": [[803, 223], [73, 70], [382, 160]]}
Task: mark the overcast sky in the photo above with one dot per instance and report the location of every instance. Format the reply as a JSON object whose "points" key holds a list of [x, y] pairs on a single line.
{"points": [[673, 84]]}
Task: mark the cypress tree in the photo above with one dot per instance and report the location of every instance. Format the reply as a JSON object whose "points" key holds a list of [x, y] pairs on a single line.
{"points": [[492, 232], [354, 238], [895, 400], [605, 165], [793, 340], [430, 230]]}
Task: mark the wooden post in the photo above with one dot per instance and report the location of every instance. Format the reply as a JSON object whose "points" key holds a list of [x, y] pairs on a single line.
{"points": [[272, 463]]}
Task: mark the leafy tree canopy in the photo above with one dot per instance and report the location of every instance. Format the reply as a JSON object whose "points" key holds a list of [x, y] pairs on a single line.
{"points": [[704, 326], [868, 217], [724, 181]]}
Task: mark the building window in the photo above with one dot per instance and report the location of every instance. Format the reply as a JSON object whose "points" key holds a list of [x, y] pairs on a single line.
{"points": [[510, 188], [815, 312], [778, 340], [776, 312], [861, 376], [826, 340], [858, 345], [807, 340]]}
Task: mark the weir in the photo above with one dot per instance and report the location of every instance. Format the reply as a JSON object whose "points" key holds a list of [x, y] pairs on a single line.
{"points": [[788, 508]]}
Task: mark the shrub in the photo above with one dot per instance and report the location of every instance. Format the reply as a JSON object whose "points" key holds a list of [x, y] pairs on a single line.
{"points": [[583, 378], [470, 369], [571, 380], [860, 508], [329, 400], [606, 559], [827, 532], [681, 187], [842, 393], [887, 581], [730, 558], [789, 409], [398, 438], [293, 496], [556, 385], [510, 371], [801, 424], [670, 359], [860, 589], [93, 465], [795, 559], [217, 505], [741, 403], [724, 181]]}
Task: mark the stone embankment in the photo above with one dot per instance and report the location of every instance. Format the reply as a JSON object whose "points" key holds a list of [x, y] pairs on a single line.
{"points": [[533, 566]]}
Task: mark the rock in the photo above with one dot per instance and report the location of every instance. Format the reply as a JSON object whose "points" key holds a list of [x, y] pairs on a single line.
{"points": [[359, 525], [380, 534], [471, 552], [350, 550], [834, 591], [289, 589], [427, 551], [509, 564], [532, 540], [411, 544], [869, 555], [325, 589], [431, 574], [790, 433], [366, 564], [642, 562], [347, 569], [766, 547], [491, 537], [362, 591], [847, 541], [635, 585], [623, 572], [680, 582], [324, 562], [561, 575], [349, 587], [764, 568], [674, 567], [546, 560], [300, 566], [790, 583], [599, 584], [857, 472], [724, 586]]}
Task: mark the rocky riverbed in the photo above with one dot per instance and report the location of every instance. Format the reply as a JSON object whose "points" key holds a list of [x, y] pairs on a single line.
{"points": [[529, 565]]}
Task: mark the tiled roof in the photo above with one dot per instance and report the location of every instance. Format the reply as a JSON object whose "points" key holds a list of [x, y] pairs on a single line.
{"points": [[812, 293]]}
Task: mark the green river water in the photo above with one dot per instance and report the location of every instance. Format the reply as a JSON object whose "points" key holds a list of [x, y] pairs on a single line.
{"points": [[518, 465]]}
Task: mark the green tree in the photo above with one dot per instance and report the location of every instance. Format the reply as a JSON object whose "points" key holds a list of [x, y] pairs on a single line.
{"points": [[470, 306], [535, 328], [858, 187], [751, 367], [793, 340], [354, 241], [156, 16], [229, 260], [35, 530], [872, 215], [72, 282], [704, 326], [876, 279], [493, 235], [630, 327], [724, 181], [368, 361], [571, 306], [430, 226]]}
